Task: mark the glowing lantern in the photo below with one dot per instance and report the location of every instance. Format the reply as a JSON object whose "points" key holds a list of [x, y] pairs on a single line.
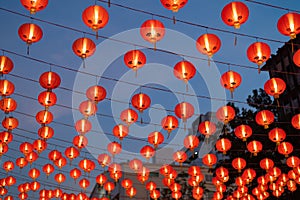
{"points": [[221, 188], [44, 117], [296, 58], [57, 193], [120, 131], [26, 148], [54, 155], [234, 14], [184, 70], [71, 153], [129, 116], [135, 59], [59, 178], [155, 138], [296, 121], [180, 157], [6, 88], [266, 164], [207, 128], [275, 172], [84, 47], [173, 5], [35, 186], [155, 194], [31, 157], [10, 180], [47, 99], [116, 175], [96, 93], [48, 169], [30, 33], [172, 175], [83, 126], [84, 183], [169, 123], [277, 135], [34, 5], [194, 170], [248, 175], [239, 181], [49, 80], [61, 162], [285, 148], [39, 145], [109, 186], [143, 175], [6, 137], [126, 183], [264, 118], [175, 187], [21, 162], [10, 123], [176, 195], [75, 174], [259, 52], [150, 186], [231, 80], [8, 166], [114, 148], [289, 24], [254, 147], [34, 173], [147, 152], [225, 114], [3, 149], [141, 102], [80, 141], [208, 44], [101, 179], [243, 132], [8, 105], [46, 132], [135, 164], [88, 108], [165, 170], [184, 110], [131, 192], [293, 161], [6, 65], [209, 160], [87, 165], [221, 173], [223, 145], [95, 17], [275, 87], [104, 159], [152, 31], [191, 142]]}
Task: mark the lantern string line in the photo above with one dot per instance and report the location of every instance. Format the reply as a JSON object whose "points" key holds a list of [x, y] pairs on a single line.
{"points": [[272, 6], [134, 84], [161, 50]]}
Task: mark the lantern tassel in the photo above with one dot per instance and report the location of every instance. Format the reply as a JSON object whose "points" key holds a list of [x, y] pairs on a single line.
{"points": [[235, 40], [136, 73], [231, 94], [174, 20], [292, 46], [141, 120], [277, 100], [97, 35], [168, 134], [27, 50], [154, 46], [83, 62], [208, 61], [258, 69], [186, 87], [108, 3]]}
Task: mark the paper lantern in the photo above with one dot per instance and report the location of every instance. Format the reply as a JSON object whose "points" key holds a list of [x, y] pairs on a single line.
{"points": [[293, 161], [96, 93], [35, 186], [184, 70], [109, 186], [191, 142], [184, 110], [54, 155], [34, 5], [6, 137], [84, 47], [75, 173], [180, 157], [71, 153], [285, 148], [266, 164], [208, 44], [49, 80], [34, 173], [289, 24], [152, 31], [141, 102], [243, 132], [131, 192], [135, 59], [83, 126], [6, 65], [155, 138], [207, 128], [296, 121], [39, 145], [129, 116], [114, 148], [231, 80], [126, 183], [147, 152], [84, 183], [47, 99], [264, 118], [254, 147], [88, 108], [7, 88], [8, 166], [223, 145], [59, 178], [169, 123], [234, 14], [46, 132], [275, 87], [101, 179], [44, 117], [80, 141], [296, 58], [209, 160], [258, 52], [135, 164], [61, 162], [155, 194], [30, 33], [173, 5], [150, 186], [48, 169], [225, 114], [277, 135], [87, 165], [10, 123], [21, 162], [120, 131], [104, 159], [249, 174], [8, 105]]}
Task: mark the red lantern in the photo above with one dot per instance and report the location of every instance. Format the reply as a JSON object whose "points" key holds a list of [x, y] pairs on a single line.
{"points": [[30, 33], [135, 59], [71, 153], [234, 14], [7, 88], [10, 123], [83, 126], [3, 149], [184, 110], [104, 159], [141, 102], [209, 160], [285, 148], [46, 132], [264, 118], [277, 135], [222, 173], [152, 31], [54, 155], [259, 52], [231, 80], [35, 186], [243, 132], [150, 186], [194, 171], [169, 123], [114, 148], [39, 145], [57, 193], [44, 117], [109, 186], [80, 141], [155, 138], [155, 194], [296, 58], [126, 183], [135, 164], [173, 5], [84, 183], [21, 162], [49, 80], [26, 148], [176, 195], [184, 70], [48, 169], [225, 114], [175, 187], [131, 192], [34, 6], [101, 179], [75, 174], [165, 170], [208, 44], [88, 108], [223, 145], [34, 173], [8, 166], [266, 164], [207, 128], [289, 24], [84, 47], [180, 157], [296, 121], [293, 161], [6, 137], [239, 164], [87, 165], [191, 142], [147, 152], [59, 178], [248, 175], [129, 116], [95, 17], [8, 105], [61, 162], [254, 147], [96, 93], [6, 65], [47, 99], [275, 87]]}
